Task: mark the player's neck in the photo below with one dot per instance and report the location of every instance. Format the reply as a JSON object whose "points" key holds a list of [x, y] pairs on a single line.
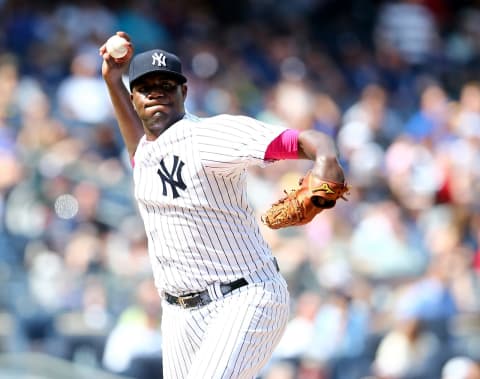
{"points": [[152, 132]]}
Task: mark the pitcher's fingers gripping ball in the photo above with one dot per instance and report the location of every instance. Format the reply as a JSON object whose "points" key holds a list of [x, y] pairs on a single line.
{"points": [[117, 46], [301, 205]]}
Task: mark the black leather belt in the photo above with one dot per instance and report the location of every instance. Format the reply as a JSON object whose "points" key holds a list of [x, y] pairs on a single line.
{"points": [[196, 299]]}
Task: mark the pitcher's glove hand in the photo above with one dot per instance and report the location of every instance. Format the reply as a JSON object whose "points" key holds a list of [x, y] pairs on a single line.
{"points": [[301, 205]]}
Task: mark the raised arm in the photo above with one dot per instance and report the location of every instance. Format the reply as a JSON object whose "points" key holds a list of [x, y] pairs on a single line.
{"points": [[130, 125]]}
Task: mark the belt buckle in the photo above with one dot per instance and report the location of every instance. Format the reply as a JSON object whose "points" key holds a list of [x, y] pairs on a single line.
{"points": [[182, 299]]}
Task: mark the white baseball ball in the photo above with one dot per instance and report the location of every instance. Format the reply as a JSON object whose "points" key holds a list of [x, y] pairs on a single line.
{"points": [[117, 46]]}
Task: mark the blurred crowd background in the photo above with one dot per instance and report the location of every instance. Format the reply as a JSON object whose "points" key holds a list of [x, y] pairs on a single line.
{"points": [[385, 286]]}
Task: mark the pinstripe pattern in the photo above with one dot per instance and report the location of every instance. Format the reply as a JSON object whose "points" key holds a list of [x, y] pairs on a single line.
{"points": [[230, 338], [190, 184], [209, 233]]}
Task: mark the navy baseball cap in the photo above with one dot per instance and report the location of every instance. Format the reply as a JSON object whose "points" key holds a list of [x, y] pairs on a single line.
{"points": [[156, 60]]}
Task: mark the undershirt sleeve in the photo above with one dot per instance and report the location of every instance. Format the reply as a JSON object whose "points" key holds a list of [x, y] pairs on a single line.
{"points": [[285, 146]]}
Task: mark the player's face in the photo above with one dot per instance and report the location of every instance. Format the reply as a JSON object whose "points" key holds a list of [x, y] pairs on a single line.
{"points": [[159, 102]]}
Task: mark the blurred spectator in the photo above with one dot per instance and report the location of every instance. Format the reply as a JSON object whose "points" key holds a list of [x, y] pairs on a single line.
{"points": [[381, 244], [82, 97], [139, 19], [430, 122], [9, 67], [413, 173], [136, 335], [297, 336], [466, 120], [368, 128], [429, 298], [98, 22], [39, 129], [327, 114], [339, 334], [292, 104], [406, 351], [374, 112], [409, 28], [280, 370], [461, 368], [462, 43], [82, 326]]}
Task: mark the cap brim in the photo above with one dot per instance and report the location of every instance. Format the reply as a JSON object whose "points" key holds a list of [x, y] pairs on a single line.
{"points": [[178, 77]]}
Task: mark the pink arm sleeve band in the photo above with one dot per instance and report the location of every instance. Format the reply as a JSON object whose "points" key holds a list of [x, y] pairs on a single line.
{"points": [[285, 146]]}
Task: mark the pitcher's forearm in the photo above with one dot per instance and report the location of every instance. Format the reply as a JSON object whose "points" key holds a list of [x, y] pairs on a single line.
{"points": [[129, 124], [313, 144]]}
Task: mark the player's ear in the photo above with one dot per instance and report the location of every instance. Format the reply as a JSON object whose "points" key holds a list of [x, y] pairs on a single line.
{"points": [[184, 91], [133, 104]]}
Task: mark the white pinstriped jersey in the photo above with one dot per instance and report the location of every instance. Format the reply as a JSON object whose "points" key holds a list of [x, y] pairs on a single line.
{"points": [[190, 184]]}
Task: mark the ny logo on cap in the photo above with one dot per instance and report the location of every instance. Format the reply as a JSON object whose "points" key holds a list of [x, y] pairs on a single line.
{"points": [[159, 60]]}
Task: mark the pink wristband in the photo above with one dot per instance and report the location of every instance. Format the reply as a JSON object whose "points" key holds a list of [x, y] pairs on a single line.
{"points": [[285, 146]]}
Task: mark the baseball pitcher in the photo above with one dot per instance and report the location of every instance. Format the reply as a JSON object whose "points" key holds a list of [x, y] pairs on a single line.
{"points": [[225, 304]]}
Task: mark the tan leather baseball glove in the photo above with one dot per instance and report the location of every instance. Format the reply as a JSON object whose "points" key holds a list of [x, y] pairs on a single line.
{"points": [[301, 205]]}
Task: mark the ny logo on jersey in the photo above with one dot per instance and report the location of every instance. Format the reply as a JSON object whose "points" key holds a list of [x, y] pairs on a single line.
{"points": [[172, 177], [159, 59]]}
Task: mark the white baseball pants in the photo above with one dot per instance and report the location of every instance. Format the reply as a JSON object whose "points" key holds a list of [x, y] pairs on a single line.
{"points": [[230, 338]]}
